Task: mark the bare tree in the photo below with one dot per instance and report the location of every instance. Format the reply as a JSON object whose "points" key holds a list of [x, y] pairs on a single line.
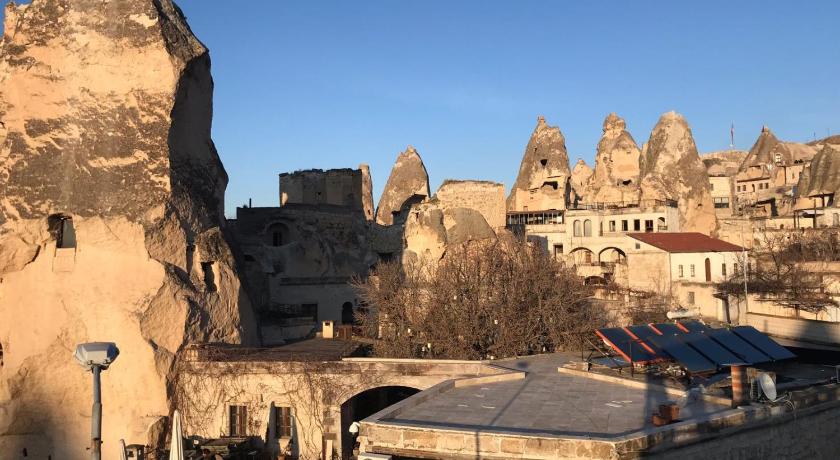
{"points": [[778, 269], [484, 299]]}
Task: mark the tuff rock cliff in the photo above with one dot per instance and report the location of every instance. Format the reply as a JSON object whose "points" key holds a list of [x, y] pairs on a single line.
{"points": [[769, 150], [671, 169], [407, 184], [111, 217], [616, 177], [543, 180]]}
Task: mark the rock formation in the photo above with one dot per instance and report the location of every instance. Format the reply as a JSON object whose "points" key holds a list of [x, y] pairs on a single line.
{"points": [[581, 180], [407, 184], [367, 192], [430, 229], [543, 180], [671, 169], [111, 217], [823, 176], [769, 150], [616, 176], [723, 163]]}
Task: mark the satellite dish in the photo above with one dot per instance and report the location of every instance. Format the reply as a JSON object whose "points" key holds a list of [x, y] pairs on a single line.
{"points": [[767, 386]]}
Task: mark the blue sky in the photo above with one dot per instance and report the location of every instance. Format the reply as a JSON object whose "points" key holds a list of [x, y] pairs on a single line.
{"points": [[329, 84]]}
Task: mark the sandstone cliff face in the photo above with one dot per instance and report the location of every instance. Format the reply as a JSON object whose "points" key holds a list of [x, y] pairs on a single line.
{"points": [[616, 176], [488, 198], [543, 180], [111, 214], [408, 183], [671, 169]]}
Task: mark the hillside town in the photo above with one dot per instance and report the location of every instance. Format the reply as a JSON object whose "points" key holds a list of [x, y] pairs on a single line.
{"points": [[663, 302]]}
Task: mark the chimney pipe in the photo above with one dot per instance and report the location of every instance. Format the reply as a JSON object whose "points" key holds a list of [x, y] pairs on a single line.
{"points": [[739, 385]]}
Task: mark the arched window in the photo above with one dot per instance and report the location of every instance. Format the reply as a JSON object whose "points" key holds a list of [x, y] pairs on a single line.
{"points": [[278, 234], [577, 228], [587, 227]]}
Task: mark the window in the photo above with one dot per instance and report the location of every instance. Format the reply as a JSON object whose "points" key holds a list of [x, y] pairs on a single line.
{"points": [[283, 422], [638, 246], [649, 225], [558, 250], [753, 187], [637, 225], [577, 231], [277, 239], [723, 269], [690, 297], [721, 203], [624, 226], [587, 227], [711, 186], [691, 268], [680, 269], [238, 417], [735, 268], [612, 224]]}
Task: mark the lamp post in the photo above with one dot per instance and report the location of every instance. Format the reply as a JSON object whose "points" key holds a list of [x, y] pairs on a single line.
{"points": [[96, 357]]}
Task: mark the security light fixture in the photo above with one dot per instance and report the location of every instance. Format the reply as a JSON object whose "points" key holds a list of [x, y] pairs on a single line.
{"points": [[96, 354], [96, 357]]}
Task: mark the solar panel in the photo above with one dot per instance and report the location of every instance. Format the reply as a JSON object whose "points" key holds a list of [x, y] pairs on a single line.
{"points": [[643, 333], [738, 346], [686, 356], [763, 343], [710, 349], [667, 328], [693, 326], [625, 345]]}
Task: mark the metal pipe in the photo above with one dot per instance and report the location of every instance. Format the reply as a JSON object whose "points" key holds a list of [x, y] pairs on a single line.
{"points": [[96, 419]]}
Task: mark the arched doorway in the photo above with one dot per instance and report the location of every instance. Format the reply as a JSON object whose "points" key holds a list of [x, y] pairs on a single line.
{"points": [[364, 405], [612, 255], [708, 270], [347, 313], [582, 256]]}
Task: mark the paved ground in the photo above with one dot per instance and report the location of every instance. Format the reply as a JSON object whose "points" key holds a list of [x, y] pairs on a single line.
{"points": [[548, 402]]}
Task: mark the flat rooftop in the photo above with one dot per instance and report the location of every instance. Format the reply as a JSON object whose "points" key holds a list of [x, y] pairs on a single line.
{"points": [[548, 402]]}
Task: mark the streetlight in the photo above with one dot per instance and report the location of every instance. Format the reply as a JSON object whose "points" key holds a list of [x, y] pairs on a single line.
{"points": [[96, 357]]}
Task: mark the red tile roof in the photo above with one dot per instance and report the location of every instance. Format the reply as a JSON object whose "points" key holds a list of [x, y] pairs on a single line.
{"points": [[685, 242]]}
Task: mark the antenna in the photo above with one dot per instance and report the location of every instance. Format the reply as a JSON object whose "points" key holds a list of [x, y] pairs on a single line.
{"points": [[767, 386]]}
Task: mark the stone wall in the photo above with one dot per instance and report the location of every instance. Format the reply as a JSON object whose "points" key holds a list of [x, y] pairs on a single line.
{"points": [[337, 187], [488, 198]]}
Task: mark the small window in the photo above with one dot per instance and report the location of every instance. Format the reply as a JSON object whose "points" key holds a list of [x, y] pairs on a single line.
{"points": [[624, 226], [558, 250], [735, 268], [649, 225], [544, 162], [711, 186], [680, 269], [723, 269], [691, 268], [587, 227], [238, 416], [638, 246], [691, 297], [283, 421], [577, 228], [612, 225], [637, 225], [277, 239]]}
